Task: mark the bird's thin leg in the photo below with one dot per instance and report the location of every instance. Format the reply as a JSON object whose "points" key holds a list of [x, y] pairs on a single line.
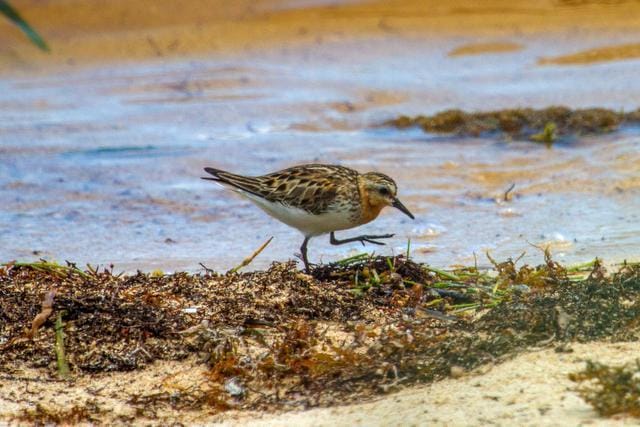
{"points": [[303, 251], [361, 239]]}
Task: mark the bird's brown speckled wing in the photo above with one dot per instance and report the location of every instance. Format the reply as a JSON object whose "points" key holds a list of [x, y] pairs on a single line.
{"points": [[310, 187]]}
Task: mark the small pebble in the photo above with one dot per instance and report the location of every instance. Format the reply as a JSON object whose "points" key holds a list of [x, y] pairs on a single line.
{"points": [[457, 371]]}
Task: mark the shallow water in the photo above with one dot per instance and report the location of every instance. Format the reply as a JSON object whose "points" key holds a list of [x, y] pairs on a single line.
{"points": [[102, 165]]}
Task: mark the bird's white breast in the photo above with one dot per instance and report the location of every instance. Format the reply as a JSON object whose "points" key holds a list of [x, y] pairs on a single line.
{"points": [[309, 224]]}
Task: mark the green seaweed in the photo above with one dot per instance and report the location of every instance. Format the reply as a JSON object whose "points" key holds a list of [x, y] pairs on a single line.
{"points": [[548, 134]]}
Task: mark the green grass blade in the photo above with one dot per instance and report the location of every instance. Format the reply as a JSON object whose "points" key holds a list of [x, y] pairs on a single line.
{"points": [[443, 273], [61, 358], [7, 10], [353, 259], [577, 268]]}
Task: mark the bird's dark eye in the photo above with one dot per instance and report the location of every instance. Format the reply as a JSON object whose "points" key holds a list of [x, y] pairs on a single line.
{"points": [[384, 191]]}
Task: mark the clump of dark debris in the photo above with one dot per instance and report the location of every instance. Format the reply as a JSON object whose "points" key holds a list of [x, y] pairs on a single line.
{"points": [[539, 125], [279, 337], [611, 390]]}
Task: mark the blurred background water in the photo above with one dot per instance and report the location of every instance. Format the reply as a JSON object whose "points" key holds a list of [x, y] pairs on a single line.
{"points": [[101, 164]]}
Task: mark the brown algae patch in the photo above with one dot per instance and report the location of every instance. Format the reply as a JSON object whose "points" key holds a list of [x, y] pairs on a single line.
{"points": [[540, 125], [481, 48], [590, 56], [610, 390], [281, 339]]}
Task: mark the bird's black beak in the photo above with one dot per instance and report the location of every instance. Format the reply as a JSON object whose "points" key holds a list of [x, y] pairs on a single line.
{"points": [[398, 204]]}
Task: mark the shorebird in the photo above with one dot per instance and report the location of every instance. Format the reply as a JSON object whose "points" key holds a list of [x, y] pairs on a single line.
{"points": [[318, 199]]}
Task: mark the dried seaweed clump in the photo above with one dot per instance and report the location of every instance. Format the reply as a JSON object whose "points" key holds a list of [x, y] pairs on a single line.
{"points": [[40, 415], [541, 125], [114, 322], [279, 338], [309, 363], [610, 390]]}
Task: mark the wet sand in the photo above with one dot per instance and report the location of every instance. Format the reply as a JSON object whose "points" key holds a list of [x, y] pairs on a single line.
{"points": [[103, 163], [87, 31], [595, 55]]}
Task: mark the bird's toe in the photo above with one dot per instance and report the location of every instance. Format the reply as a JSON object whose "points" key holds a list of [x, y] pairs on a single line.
{"points": [[375, 242]]}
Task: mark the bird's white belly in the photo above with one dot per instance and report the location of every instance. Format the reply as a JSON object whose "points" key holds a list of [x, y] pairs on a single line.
{"points": [[309, 224]]}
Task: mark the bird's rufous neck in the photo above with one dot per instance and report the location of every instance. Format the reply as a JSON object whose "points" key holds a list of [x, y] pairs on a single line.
{"points": [[369, 209]]}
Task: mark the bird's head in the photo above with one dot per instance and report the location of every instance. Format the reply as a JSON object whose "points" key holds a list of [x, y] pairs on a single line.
{"points": [[382, 191]]}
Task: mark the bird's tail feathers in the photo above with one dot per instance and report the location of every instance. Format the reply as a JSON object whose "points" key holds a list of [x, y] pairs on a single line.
{"points": [[238, 182], [214, 172]]}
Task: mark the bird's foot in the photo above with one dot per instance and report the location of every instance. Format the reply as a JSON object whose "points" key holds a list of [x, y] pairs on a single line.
{"points": [[362, 239], [370, 239]]}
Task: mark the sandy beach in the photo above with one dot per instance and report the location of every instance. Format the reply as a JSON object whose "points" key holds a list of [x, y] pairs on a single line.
{"points": [[532, 389], [82, 32]]}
